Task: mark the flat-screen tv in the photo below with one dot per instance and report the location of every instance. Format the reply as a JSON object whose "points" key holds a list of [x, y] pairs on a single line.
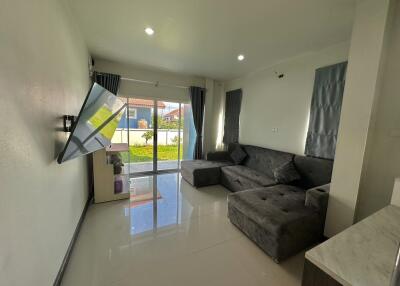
{"points": [[95, 125]]}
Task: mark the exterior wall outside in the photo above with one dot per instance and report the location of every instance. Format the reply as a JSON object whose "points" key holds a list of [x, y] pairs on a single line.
{"points": [[165, 136], [142, 113]]}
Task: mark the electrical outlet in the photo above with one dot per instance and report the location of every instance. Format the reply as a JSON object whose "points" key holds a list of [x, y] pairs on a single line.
{"points": [[275, 129]]}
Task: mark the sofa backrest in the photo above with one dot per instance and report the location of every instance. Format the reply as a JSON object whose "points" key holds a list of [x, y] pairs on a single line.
{"points": [[265, 160], [314, 171]]}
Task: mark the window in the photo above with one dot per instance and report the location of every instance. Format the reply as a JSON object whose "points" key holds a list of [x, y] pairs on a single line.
{"points": [[132, 113]]}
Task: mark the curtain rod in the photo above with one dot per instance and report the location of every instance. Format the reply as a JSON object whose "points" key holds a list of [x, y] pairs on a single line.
{"points": [[155, 83]]}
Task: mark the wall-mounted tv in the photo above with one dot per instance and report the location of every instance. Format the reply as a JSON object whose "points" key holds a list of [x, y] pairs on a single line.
{"points": [[100, 115]]}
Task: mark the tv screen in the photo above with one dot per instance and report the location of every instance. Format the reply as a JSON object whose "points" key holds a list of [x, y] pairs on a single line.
{"points": [[96, 123]]}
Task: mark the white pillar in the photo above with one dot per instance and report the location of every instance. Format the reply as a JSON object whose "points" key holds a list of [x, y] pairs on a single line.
{"points": [[365, 59]]}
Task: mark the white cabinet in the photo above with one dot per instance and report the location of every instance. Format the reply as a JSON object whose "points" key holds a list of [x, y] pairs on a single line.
{"points": [[111, 178]]}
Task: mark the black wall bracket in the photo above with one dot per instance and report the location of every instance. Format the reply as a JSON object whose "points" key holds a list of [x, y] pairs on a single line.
{"points": [[69, 122]]}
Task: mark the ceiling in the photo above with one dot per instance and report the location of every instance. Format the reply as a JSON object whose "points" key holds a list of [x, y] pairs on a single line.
{"points": [[204, 37]]}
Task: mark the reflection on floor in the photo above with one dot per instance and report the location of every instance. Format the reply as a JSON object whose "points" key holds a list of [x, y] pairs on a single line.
{"points": [[171, 234], [148, 166], [155, 203]]}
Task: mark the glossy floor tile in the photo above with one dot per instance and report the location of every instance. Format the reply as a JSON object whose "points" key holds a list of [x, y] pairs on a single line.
{"points": [[169, 233]]}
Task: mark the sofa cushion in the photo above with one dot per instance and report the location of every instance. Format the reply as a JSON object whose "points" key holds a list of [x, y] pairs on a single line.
{"points": [[193, 165], [286, 173], [314, 171], [222, 156], [280, 209], [242, 172], [201, 173], [238, 155], [264, 160]]}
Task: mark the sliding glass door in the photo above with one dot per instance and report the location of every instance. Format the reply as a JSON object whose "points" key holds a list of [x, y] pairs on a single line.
{"points": [[169, 136], [160, 134]]}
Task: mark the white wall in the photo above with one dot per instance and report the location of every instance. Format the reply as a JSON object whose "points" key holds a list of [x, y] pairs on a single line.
{"points": [[43, 75], [269, 102], [365, 59], [382, 159]]}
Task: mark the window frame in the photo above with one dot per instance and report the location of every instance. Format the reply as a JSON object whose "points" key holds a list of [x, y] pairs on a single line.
{"points": [[130, 109]]}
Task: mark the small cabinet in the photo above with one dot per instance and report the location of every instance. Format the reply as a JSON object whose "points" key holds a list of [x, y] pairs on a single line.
{"points": [[111, 177], [313, 276]]}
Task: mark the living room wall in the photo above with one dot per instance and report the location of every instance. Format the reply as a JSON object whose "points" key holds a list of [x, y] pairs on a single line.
{"points": [[275, 110], [382, 157], [363, 81], [43, 75]]}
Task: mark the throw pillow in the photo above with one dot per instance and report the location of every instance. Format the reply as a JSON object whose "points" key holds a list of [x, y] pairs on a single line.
{"points": [[238, 155], [286, 173]]}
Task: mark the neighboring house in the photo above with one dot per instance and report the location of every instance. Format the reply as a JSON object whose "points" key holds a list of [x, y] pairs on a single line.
{"points": [[139, 113], [173, 115]]}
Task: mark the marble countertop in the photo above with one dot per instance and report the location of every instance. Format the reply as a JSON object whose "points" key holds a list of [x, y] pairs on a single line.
{"points": [[365, 253]]}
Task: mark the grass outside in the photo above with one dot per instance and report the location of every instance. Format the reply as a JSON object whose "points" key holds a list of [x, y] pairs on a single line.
{"points": [[145, 153]]}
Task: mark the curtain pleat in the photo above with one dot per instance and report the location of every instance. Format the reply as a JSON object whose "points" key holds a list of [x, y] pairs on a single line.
{"points": [[325, 111], [108, 81], [232, 113], [197, 99]]}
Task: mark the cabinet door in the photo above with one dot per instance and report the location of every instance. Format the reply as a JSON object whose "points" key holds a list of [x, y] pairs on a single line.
{"points": [[313, 276]]}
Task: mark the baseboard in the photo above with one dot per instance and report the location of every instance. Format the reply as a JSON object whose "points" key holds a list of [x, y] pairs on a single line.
{"points": [[61, 271]]}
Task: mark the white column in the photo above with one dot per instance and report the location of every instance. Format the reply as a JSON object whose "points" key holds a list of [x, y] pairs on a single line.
{"points": [[365, 58]]}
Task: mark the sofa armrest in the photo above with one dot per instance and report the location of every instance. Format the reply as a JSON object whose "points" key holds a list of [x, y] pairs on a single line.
{"points": [[218, 156], [317, 198]]}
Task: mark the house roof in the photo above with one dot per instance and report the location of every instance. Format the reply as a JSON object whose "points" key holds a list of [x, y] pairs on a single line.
{"points": [[174, 112], [135, 102]]}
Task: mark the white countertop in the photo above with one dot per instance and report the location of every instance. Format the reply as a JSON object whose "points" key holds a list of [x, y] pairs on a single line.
{"points": [[364, 254]]}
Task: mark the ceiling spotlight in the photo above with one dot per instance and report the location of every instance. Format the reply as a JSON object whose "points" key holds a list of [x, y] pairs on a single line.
{"points": [[149, 31], [240, 57]]}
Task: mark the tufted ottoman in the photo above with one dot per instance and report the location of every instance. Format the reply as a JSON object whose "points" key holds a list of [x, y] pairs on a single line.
{"points": [[200, 173], [276, 219]]}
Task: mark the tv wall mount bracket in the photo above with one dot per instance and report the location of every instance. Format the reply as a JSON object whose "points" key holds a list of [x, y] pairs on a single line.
{"points": [[69, 122]]}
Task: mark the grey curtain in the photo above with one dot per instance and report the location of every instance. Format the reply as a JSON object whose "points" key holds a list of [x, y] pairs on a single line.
{"points": [[232, 113], [197, 99], [325, 111], [108, 81]]}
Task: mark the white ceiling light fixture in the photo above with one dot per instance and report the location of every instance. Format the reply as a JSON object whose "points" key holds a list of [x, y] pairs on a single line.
{"points": [[240, 58], [149, 31]]}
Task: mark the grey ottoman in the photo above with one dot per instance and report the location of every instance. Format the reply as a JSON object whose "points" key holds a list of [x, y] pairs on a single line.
{"points": [[276, 219], [200, 173]]}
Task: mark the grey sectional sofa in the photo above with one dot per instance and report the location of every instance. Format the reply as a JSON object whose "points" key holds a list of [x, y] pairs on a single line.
{"points": [[279, 199]]}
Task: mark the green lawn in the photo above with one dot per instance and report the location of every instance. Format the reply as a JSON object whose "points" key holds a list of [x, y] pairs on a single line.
{"points": [[145, 153]]}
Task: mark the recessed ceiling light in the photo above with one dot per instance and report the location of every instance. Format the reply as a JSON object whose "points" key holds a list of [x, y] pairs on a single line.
{"points": [[149, 31], [240, 57]]}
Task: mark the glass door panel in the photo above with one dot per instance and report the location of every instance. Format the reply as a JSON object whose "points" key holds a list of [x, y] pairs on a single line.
{"points": [[140, 115], [159, 133], [168, 135]]}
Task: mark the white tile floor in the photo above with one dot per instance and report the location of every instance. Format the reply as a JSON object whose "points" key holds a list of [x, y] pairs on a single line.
{"points": [[182, 238]]}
